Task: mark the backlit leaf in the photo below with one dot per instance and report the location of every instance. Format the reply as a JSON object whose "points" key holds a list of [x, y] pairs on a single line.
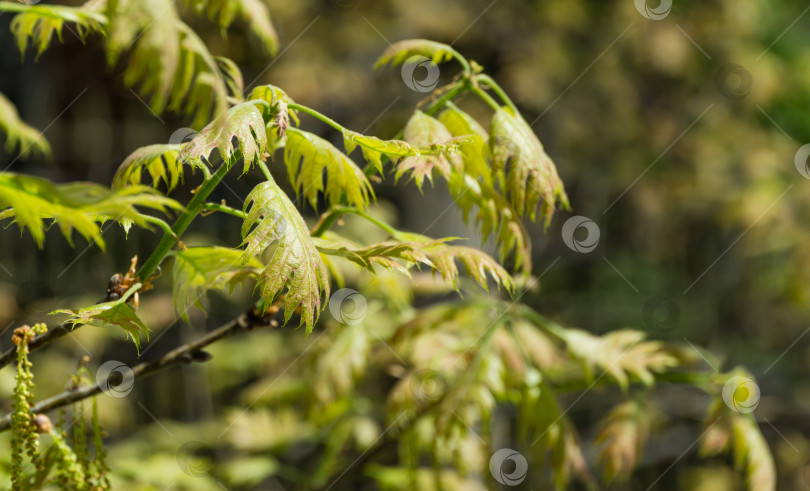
{"points": [[422, 131], [40, 22], [308, 157], [253, 12], [81, 205], [399, 52], [524, 169], [243, 122], [18, 134], [158, 161], [292, 261], [116, 314], [198, 269]]}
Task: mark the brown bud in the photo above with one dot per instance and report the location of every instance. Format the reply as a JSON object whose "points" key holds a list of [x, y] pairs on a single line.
{"points": [[42, 423]]}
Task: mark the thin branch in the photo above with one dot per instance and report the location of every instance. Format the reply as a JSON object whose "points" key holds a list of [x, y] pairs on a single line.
{"points": [[38, 342], [181, 355]]}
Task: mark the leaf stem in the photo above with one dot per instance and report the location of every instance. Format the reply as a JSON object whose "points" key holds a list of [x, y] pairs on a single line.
{"points": [[330, 217], [225, 209], [315, 114], [492, 84], [189, 214], [485, 97]]}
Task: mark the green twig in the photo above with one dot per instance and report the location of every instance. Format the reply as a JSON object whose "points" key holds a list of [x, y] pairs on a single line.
{"points": [[182, 223], [224, 209], [330, 217]]}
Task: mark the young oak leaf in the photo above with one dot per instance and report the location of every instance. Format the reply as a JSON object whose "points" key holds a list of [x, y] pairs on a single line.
{"points": [[401, 51], [116, 313], [159, 161], [292, 259], [524, 169], [620, 354], [392, 255], [477, 263], [40, 22], [474, 188], [19, 134], [726, 430], [253, 12], [623, 434], [308, 156], [243, 122], [199, 269], [422, 131], [30, 200]]}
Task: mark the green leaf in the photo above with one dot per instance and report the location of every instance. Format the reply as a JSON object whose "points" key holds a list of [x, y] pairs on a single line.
{"points": [[392, 255], [40, 22], [31, 200], [622, 434], [477, 263], [423, 131], [620, 353], [116, 313], [727, 430], [253, 12], [474, 188], [399, 52], [413, 250], [293, 261], [243, 122], [170, 65], [159, 161], [307, 157], [524, 170], [20, 134], [198, 269]]}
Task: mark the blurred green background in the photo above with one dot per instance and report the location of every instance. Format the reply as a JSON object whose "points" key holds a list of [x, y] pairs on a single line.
{"points": [[685, 162]]}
